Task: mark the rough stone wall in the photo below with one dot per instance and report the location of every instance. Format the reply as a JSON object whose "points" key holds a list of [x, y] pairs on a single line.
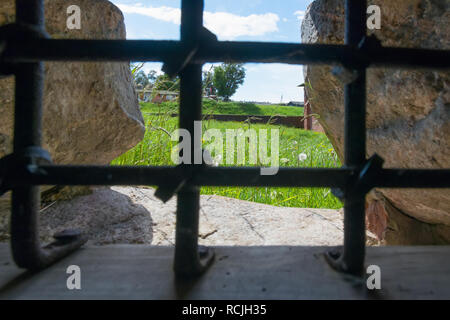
{"points": [[408, 112], [91, 113]]}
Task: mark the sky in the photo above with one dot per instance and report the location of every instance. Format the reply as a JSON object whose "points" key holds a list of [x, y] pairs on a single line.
{"points": [[231, 20]]}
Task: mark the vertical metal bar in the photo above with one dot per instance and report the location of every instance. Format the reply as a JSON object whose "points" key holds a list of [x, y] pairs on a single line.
{"points": [[191, 20], [188, 260], [27, 133], [351, 259], [355, 142], [29, 87], [30, 12]]}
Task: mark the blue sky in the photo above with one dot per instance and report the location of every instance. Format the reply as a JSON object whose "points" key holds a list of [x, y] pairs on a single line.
{"points": [[237, 20]]}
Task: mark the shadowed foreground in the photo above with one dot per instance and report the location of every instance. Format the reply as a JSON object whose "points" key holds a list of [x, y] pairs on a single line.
{"points": [[145, 272]]}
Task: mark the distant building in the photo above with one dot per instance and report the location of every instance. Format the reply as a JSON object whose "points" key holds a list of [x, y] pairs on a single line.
{"points": [[164, 95], [144, 95], [295, 104], [309, 122], [156, 96]]}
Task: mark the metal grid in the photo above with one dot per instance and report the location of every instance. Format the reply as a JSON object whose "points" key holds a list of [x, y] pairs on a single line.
{"points": [[26, 45]]}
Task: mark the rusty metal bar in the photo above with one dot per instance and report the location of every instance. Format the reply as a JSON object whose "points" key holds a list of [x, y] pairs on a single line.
{"points": [[26, 249], [351, 259], [36, 50], [190, 260], [221, 176], [355, 144], [23, 170], [163, 176]]}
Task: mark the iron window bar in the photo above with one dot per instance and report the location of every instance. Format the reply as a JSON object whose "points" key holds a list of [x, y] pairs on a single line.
{"points": [[24, 46], [35, 50]]}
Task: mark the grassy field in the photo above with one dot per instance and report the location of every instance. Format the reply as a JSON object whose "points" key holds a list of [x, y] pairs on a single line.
{"points": [[235, 108], [298, 148]]}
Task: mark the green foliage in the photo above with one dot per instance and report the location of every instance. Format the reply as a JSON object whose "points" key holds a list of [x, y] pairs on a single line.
{"points": [[220, 107], [139, 76], [227, 79], [315, 148], [207, 81], [136, 67], [152, 76], [163, 82]]}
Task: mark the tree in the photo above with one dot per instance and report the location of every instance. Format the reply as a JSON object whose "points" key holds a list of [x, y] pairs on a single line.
{"points": [[208, 85], [227, 79], [141, 79], [135, 67], [163, 82], [152, 76]]}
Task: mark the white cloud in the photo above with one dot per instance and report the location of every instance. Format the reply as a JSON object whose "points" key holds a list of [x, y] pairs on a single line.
{"points": [[300, 14], [153, 66], [226, 26], [230, 26], [166, 14]]}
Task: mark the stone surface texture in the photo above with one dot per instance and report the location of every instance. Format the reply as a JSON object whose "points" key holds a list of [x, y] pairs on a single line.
{"points": [[408, 111], [91, 113], [134, 215]]}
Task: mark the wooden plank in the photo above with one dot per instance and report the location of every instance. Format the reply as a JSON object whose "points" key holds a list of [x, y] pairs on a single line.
{"points": [[145, 272]]}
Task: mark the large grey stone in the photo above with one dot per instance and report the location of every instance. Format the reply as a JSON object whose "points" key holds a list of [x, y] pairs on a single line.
{"points": [[135, 215], [408, 111], [91, 113]]}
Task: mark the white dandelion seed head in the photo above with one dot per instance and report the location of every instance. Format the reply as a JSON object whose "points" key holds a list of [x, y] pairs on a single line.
{"points": [[217, 160], [302, 157], [207, 157]]}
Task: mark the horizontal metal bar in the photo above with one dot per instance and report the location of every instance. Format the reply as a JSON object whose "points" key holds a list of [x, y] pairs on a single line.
{"points": [[291, 53], [225, 176], [413, 178], [256, 52], [162, 176], [408, 57], [91, 50]]}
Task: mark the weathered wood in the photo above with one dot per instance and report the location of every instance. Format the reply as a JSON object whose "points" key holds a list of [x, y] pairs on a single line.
{"points": [[145, 272]]}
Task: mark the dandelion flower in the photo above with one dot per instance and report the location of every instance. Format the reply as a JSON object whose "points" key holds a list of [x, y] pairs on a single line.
{"points": [[207, 157], [302, 157], [217, 160]]}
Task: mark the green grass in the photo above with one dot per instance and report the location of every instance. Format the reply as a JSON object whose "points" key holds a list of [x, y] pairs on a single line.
{"points": [[155, 149], [234, 108]]}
